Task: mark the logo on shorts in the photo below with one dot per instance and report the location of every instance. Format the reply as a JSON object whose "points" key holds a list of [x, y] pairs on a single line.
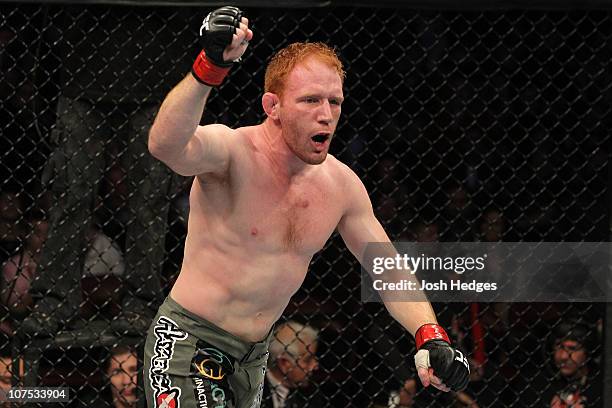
{"points": [[210, 363], [210, 369], [166, 333], [206, 391], [200, 393], [168, 400]]}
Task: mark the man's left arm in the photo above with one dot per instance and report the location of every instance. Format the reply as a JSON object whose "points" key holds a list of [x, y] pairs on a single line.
{"points": [[438, 363]]}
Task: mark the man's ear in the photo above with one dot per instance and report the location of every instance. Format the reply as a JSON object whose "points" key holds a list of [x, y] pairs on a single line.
{"points": [[270, 102]]}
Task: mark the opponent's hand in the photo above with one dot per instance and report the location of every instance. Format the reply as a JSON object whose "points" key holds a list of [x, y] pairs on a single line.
{"points": [[437, 362], [224, 36]]}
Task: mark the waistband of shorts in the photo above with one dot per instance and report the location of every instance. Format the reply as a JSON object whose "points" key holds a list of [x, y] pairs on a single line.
{"points": [[242, 350]]}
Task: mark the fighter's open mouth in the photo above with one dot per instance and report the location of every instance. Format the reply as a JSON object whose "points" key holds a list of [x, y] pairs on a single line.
{"points": [[320, 138]]}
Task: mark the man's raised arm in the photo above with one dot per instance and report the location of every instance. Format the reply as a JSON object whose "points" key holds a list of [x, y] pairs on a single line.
{"points": [[437, 362], [176, 137]]}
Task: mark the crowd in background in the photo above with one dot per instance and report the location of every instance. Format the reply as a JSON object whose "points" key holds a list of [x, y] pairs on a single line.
{"points": [[424, 188]]}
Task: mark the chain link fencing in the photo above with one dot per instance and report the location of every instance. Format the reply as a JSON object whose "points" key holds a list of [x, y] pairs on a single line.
{"points": [[463, 125]]}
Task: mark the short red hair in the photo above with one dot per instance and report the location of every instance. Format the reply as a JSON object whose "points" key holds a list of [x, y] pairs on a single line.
{"points": [[283, 62]]}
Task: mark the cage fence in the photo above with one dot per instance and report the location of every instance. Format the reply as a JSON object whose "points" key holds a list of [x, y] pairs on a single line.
{"points": [[484, 125]]}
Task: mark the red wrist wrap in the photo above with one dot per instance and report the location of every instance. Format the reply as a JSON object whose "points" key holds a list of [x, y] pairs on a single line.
{"points": [[430, 331], [208, 73]]}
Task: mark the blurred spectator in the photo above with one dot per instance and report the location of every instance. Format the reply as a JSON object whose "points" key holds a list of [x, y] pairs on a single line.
{"points": [[6, 369], [387, 182], [22, 155], [119, 387], [11, 231], [573, 378], [104, 256], [492, 226], [387, 210], [473, 328], [18, 273], [103, 275], [390, 197], [459, 215], [113, 97], [112, 212], [405, 397], [122, 372], [424, 231], [575, 383], [291, 364], [101, 278]]}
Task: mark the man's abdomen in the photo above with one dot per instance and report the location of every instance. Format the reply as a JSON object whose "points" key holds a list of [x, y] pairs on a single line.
{"points": [[241, 294]]}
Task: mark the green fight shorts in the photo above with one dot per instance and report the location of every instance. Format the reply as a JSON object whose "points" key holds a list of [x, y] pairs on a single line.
{"points": [[191, 363]]}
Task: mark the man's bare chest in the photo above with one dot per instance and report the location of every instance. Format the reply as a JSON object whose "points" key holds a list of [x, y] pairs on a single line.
{"points": [[299, 217]]}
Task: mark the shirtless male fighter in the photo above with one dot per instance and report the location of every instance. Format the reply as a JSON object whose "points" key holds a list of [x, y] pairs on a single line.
{"points": [[264, 200]]}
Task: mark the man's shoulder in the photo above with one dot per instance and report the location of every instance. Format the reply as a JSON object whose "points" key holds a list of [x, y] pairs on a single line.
{"points": [[342, 173], [222, 130], [244, 136], [237, 140], [337, 168]]}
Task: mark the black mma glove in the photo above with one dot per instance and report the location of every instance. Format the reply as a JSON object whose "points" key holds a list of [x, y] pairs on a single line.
{"points": [[215, 35], [434, 350]]}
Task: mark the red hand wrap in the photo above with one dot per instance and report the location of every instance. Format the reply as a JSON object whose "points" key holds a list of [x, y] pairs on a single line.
{"points": [[208, 73], [430, 331]]}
